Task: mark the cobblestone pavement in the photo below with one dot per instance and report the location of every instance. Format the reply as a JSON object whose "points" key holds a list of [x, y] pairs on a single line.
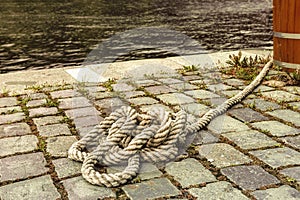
{"points": [[251, 152]]}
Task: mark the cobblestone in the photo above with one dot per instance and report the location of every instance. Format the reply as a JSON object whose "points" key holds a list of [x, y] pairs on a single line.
{"points": [[281, 96], [54, 130], [234, 82], [61, 94], [7, 110], [11, 118], [287, 115], [8, 102], [159, 89], [201, 94], [16, 129], [78, 188], [278, 157], [282, 193], [189, 172], [293, 89], [295, 105], [66, 167], [247, 115], [293, 141], [154, 188], [22, 166], [222, 155], [220, 190], [249, 177], [143, 101], [36, 112], [183, 86], [293, 172], [195, 109], [13, 145], [42, 121], [224, 124], [87, 121], [250, 139], [219, 87], [108, 105], [82, 112], [75, 102], [132, 94], [170, 81], [262, 105], [175, 99], [276, 128], [205, 137], [59, 146], [36, 188], [122, 87]]}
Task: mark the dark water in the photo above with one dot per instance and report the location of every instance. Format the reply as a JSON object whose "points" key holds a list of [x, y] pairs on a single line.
{"points": [[36, 34]]}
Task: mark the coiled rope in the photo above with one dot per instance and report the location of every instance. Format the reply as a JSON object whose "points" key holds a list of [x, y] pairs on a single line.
{"points": [[126, 137]]}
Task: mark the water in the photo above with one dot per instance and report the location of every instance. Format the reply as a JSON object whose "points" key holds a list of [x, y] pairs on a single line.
{"points": [[39, 34]]}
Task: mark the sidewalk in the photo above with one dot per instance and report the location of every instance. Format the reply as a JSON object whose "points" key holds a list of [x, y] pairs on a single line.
{"points": [[251, 152]]}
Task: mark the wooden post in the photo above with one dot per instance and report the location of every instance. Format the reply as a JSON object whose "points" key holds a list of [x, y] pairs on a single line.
{"points": [[286, 26]]}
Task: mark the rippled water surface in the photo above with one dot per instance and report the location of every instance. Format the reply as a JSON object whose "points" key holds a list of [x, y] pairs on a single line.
{"points": [[37, 34]]}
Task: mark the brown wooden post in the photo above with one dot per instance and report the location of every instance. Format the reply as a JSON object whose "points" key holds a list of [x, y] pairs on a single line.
{"points": [[286, 26]]}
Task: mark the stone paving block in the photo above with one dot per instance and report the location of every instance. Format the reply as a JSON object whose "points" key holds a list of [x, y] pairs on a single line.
{"points": [[222, 155], [36, 103], [8, 102], [295, 105], [195, 109], [78, 188], [250, 139], [159, 89], [11, 118], [247, 115], [66, 167], [175, 99], [10, 110], [34, 96], [281, 96], [262, 105], [259, 89], [121, 87], [107, 106], [143, 101], [36, 188], [293, 89], [36, 112], [59, 146], [191, 77], [93, 89], [234, 82], [42, 121], [64, 94], [170, 81], [103, 95], [293, 141], [205, 137], [147, 171], [87, 121], [201, 94], [75, 102], [224, 124], [219, 87], [218, 190], [146, 108], [146, 83], [189, 172], [82, 131], [20, 144], [132, 94], [151, 189], [249, 177], [22, 166], [230, 93], [293, 172], [278, 157], [16, 129], [183, 86], [216, 101], [284, 192], [82, 112], [287, 115], [54, 130], [276, 128]]}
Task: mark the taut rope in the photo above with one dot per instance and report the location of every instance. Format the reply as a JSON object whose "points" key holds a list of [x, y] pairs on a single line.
{"points": [[128, 137]]}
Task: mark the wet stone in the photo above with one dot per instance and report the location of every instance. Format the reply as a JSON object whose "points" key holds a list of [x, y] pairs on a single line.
{"points": [[151, 189], [250, 139], [78, 188], [282, 193], [225, 124], [36, 103], [82, 112], [247, 115], [42, 121], [293, 172], [249, 177], [293, 141], [9, 110], [189, 172], [278, 157], [59, 146], [218, 190], [159, 89], [35, 112], [16, 129], [143, 101], [222, 155], [287, 115], [281, 96], [11, 118], [22, 166], [261, 104], [64, 94], [54, 130], [8, 102], [120, 87], [175, 99], [36, 188], [66, 167], [13, 145], [75, 102], [276, 128], [201, 94]]}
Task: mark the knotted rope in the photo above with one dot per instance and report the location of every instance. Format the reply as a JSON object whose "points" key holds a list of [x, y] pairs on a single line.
{"points": [[126, 136]]}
